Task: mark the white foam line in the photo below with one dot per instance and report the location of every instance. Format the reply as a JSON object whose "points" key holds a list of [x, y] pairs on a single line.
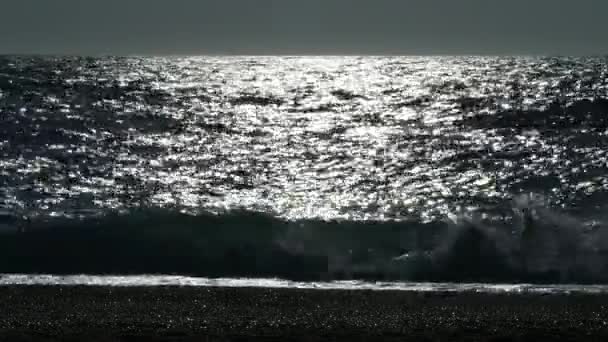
{"points": [[172, 280]]}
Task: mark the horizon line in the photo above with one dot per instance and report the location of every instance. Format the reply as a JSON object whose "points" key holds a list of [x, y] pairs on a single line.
{"points": [[133, 55]]}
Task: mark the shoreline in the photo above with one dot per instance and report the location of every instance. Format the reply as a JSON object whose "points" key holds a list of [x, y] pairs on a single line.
{"points": [[53, 313]]}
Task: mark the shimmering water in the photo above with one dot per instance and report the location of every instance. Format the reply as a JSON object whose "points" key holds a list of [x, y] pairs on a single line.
{"points": [[394, 150]]}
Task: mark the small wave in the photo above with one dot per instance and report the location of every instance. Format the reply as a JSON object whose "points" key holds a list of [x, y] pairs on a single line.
{"points": [[256, 100], [588, 113], [346, 95]]}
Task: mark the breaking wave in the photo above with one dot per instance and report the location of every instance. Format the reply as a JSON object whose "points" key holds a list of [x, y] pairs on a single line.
{"points": [[526, 243]]}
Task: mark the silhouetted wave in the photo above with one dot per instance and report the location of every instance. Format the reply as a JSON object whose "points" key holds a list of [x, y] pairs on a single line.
{"points": [[535, 245]]}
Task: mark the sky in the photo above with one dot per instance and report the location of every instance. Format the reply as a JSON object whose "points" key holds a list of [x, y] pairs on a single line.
{"points": [[403, 27]]}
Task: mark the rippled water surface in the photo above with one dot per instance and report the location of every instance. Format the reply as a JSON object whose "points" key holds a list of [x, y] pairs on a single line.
{"points": [[356, 138], [376, 139]]}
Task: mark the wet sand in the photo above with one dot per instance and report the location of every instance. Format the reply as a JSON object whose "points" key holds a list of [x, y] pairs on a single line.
{"points": [[225, 314]]}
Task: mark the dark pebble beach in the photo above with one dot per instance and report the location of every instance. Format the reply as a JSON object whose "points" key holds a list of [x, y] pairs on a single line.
{"points": [[36, 313]]}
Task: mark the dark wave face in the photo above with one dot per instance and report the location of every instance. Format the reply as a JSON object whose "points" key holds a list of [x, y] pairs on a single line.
{"points": [[306, 168], [533, 245]]}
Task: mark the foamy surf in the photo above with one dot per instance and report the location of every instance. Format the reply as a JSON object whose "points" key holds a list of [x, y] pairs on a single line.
{"points": [[173, 280]]}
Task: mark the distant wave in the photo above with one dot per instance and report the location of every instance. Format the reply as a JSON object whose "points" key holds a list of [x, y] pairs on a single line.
{"points": [[247, 99], [534, 244], [557, 116]]}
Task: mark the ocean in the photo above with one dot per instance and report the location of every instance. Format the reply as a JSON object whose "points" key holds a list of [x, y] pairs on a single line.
{"points": [[355, 172]]}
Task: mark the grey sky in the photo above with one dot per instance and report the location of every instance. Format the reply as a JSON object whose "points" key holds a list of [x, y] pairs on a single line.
{"points": [[304, 26]]}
